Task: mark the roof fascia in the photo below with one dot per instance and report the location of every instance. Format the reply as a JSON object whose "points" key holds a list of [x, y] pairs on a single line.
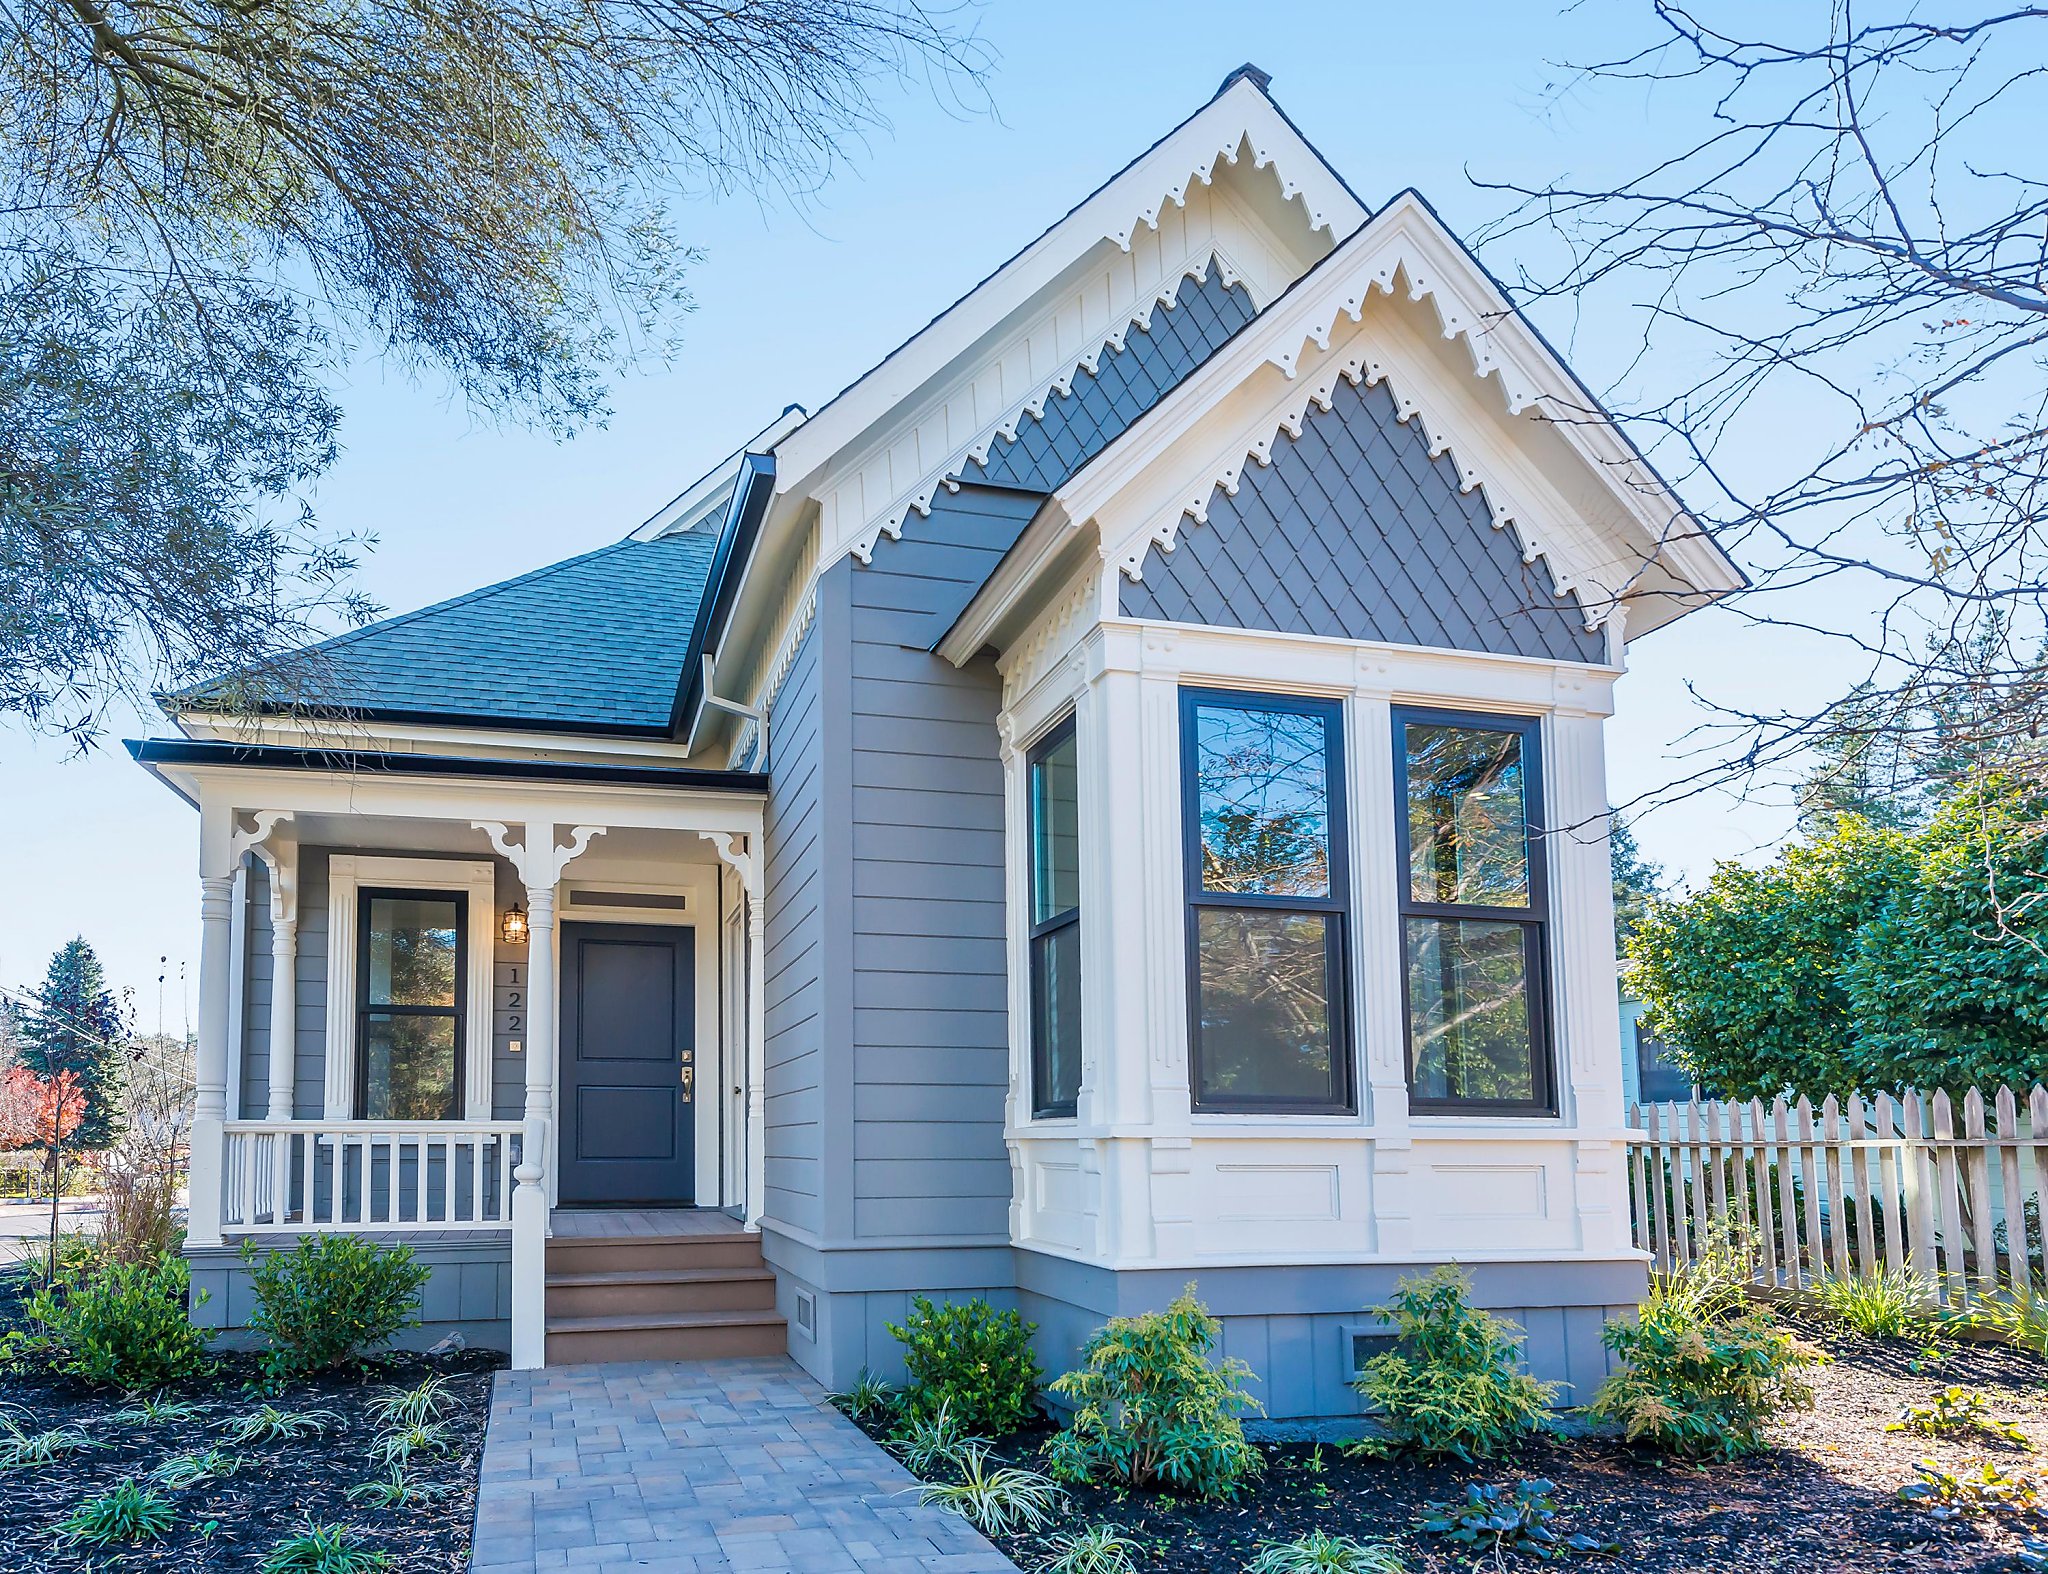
{"points": [[355, 731], [1132, 198], [753, 490], [189, 754]]}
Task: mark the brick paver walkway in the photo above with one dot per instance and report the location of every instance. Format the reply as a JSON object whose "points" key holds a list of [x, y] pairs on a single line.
{"points": [[692, 1467]]}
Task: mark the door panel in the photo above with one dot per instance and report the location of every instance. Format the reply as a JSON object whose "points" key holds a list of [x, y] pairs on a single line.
{"points": [[628, 1025]]}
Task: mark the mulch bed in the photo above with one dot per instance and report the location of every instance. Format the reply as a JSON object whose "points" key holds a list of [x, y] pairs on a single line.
{"points": [[1824, 1499], [281, 1487]]}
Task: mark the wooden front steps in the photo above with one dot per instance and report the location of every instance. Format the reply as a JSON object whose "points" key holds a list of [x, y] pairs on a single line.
{"points": [[640, 1287]]}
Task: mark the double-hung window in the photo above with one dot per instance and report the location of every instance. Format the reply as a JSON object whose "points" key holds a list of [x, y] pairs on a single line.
{"points": [[1267, 882], [411, 963], [1055, 936], [1473, 909]]}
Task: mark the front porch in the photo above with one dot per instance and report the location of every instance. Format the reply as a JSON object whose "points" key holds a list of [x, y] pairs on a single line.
{"points": [[513, 1022]]}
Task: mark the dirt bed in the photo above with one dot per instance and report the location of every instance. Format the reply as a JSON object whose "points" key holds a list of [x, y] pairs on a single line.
{"points": [[1825, 1499], [281, 1487]]}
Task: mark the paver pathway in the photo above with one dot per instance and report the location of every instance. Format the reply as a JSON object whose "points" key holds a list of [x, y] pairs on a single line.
{"points": [[698, 1467]]}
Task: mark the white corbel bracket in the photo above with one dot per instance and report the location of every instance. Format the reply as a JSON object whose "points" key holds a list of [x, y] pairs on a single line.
{"points": [[538, 860], [272, 838], [737, 851]]}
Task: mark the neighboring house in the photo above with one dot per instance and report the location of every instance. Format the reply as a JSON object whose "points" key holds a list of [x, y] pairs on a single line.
{"points": [[1650, 1073], [1062, 820]]}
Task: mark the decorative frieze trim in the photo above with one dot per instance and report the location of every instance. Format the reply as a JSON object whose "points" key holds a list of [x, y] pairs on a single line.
{"points": [[1236, 146], [799, 610], [918, 500], [1360, 367], [1051, 637]]}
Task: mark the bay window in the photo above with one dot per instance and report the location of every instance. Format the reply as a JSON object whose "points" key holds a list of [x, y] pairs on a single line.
{"points": [[1266, 888], [412, 963], [1473, 912], [1053, 798]]}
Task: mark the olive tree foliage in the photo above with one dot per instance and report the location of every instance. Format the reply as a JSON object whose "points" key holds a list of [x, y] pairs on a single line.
{"points": [[208, 206], [1835, 246], [1867, 959]]}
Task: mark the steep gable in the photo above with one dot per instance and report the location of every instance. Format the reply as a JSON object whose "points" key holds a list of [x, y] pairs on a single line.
{"points": [[946, 552], [1353, 530]]}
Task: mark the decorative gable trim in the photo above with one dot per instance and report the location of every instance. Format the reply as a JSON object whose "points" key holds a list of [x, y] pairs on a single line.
{"points": [[1359, 367], [1032, 406], [1270, 147], [1406, 249]]}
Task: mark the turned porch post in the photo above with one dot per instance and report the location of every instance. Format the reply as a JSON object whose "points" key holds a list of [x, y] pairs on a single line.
{"points": [[540, 864], [282, 862], [210, 1065]]}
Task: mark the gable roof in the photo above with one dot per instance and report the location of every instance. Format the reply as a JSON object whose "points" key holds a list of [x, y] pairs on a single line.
{"points": [[594, 644], [1552, 463]]}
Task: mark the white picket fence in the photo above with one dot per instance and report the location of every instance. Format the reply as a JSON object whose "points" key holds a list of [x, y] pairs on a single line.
{"points": [[1850, 1189]]}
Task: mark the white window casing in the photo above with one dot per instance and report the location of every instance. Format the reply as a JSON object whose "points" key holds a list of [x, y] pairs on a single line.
{"points": [[347, 874]]}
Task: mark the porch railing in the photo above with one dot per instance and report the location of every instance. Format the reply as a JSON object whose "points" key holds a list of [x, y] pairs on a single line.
{"points": [[302, 1176]]}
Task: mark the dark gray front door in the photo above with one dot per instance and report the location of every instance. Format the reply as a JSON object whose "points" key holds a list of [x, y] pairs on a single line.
{"points": [[628, 1031]]}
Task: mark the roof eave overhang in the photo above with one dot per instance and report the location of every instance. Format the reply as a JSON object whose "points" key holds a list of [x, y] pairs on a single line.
{"points": [[168, 758]]}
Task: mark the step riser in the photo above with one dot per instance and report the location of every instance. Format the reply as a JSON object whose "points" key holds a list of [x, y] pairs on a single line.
{"points": [[609, 1256], [667, 1344], [617, 1300]]}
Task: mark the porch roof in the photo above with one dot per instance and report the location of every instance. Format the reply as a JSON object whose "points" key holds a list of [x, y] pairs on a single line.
{"points": [[155, 754]]}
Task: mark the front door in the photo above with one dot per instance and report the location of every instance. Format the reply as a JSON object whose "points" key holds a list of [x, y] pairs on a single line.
{"points": [[628, 1035]]}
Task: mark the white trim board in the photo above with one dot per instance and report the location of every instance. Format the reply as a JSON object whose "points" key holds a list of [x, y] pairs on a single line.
{"points": [[347, 873]]}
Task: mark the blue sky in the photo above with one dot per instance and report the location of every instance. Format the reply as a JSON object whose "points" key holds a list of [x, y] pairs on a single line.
{"points": [[792, 303]]}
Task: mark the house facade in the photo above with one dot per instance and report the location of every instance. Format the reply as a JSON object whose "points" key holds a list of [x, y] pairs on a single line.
{"points": [[1113, 798]]}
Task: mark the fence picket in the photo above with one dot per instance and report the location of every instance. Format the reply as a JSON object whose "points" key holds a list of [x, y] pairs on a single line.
{"points": [[1977, 1184], [1830, 1166], [1863, 1241], [1948, 1200], [1760, 1181], [1660, 1170], [1888, 1182], [1681, 1236], [2007, 1109], [1738, 1167], [1788, 1214], [2037, 1130]]}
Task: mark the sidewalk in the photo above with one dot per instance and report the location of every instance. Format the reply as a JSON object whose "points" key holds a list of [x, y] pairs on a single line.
{"points": [[699, 1467]]}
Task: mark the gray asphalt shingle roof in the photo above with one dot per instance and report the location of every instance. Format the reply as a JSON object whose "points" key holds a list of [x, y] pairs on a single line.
{"points": [[593, 643]]}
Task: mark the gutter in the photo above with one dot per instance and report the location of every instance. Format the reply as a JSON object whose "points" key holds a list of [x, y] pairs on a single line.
{"points": [[155, 753], [751, 494]]}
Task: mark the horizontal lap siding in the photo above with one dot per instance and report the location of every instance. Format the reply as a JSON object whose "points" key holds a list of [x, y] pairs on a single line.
{"points": [[795, 944], [930, 986]]}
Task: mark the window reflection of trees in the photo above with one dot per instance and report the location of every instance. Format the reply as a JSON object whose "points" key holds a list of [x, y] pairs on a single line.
{"points": [[1469, 985], [1264, 803], [1467, 827], [1265, 1004]]}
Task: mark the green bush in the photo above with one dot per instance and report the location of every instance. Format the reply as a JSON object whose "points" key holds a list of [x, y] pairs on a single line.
{"points": [[1705, 1368], [970, 1360], [1453, 1383], [331, 1300], [1152, 1409], [114, 1325]]}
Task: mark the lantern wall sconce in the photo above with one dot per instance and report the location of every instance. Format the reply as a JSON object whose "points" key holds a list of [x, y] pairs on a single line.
{"points": [[513, 929]]}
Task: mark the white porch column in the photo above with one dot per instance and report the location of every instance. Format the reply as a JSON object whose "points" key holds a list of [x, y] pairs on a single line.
{"points": [[744, 853], [210, 1068], [281, 859], [540, 864], [530, 1199]]}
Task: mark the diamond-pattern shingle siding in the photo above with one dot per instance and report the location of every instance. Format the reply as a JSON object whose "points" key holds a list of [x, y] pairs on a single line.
{"points": [[596, 641], [1354, 532], [1125, 384], [952, 549]]}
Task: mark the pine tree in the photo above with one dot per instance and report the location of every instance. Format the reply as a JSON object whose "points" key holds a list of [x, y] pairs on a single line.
{"points": [[75, 1024]]}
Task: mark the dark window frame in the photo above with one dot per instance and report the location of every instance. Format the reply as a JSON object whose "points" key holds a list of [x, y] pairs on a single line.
{"points": [[1535, 917], [1335, 907], [365, 1009], [1036, 930]]}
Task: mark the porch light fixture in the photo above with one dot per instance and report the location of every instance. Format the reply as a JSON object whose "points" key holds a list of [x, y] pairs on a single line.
{"points": [[513, 927]]}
